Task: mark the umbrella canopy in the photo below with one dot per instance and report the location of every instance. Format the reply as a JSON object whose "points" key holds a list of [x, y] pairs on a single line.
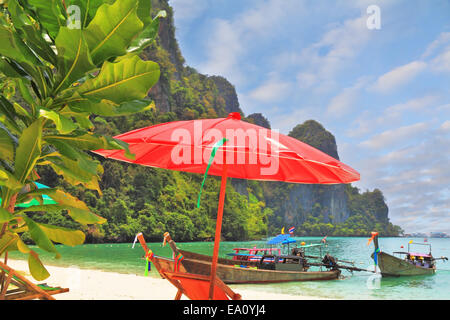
{"points": [[46, 199], [229, 147], [251, 152]]}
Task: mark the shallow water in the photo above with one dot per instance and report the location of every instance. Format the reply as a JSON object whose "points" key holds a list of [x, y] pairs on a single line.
{"points": [[361, 285]]}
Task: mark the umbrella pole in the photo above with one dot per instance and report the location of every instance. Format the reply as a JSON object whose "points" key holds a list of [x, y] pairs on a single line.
{"points": [[215, 257]]}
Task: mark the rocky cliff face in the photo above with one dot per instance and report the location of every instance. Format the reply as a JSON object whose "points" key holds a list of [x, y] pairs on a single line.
{"points": [[184, 91], [294, 202]]}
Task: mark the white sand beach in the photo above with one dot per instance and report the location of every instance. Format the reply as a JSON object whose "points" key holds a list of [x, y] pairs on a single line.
{"points": [[86, 284]]}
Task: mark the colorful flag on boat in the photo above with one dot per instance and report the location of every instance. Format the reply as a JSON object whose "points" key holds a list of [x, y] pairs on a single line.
{"points": [[291, 230], [375, 258], [134, 242], [374, 234], [324, 240], [178, 260], [148, 265]]}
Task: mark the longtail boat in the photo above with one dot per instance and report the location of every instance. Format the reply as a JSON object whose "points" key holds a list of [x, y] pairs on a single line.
{"points": [[287, 268], [407, 263]]}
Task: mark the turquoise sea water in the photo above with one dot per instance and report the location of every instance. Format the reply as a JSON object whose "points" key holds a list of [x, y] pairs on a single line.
{"points": [[361, 285]]}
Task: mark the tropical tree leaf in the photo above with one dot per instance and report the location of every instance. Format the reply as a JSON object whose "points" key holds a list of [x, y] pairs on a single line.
{"points": [[50, 14], [74, 59], [107, 108], [13, 47], [63, 235], [37, 269], [23, 86], [8, 180], [63, 124], [90, 141], [5, 215], [88, 9], [39, 237], [29, 31], [28, 150], [6, 145], [78, 211], [113, 28], [8, 116], [22, 247], [84, 161], [8, 242], [75, 175], [148, 34], [128, 79]]}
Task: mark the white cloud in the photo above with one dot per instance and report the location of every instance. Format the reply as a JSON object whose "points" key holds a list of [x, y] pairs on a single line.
{"points": [[442, 39], [271, 91], [394, 136], [231, 40], [398, 76], [446, 126], [442, 62], [224, 52], [342, 103], [368, 121], [322, 60], [414, 177]]}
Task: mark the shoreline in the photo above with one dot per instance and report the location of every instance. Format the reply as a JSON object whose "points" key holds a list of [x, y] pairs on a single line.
{"points": [[92, 284]]}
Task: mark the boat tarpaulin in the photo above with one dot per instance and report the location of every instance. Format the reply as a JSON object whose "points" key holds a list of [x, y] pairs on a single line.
{"points": [[278, 239]]}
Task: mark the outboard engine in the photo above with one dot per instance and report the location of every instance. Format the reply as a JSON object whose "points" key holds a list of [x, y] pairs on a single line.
{"points": [[330, 262]]}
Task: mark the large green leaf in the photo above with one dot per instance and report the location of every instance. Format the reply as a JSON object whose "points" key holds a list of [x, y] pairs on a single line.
{"points": [[8, 180], [89, 141], [78, 211], [74, 59], [107, 108], [113, 28], [50, 14], [84, 161], [28, 150], [6, 145], [144, 11], [73, 174], [8, 242], [63, 124], [13, 47], [128, 79], [5, 215], [36, 267], [29, 31], [63, 235], [148, 34], [39, 237], [8, 116], [88, 9]]}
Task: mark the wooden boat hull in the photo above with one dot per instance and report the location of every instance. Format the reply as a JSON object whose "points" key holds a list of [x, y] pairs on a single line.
{"points": [[229, 273], [391, 266], [166, 264]]}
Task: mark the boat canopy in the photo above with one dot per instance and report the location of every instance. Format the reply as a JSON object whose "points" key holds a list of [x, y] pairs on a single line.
{"points": [[278, 239], [287, 241], [311, 245]]}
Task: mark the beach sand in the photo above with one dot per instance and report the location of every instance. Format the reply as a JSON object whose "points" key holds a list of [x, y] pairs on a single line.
{"points": [[86, 284]]}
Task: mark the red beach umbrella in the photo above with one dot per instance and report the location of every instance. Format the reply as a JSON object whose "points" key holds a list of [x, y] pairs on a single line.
{"points": [[229, 147]]}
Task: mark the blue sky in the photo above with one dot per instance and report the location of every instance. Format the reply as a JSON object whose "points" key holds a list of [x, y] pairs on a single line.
{"points": [[384, 93]]}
